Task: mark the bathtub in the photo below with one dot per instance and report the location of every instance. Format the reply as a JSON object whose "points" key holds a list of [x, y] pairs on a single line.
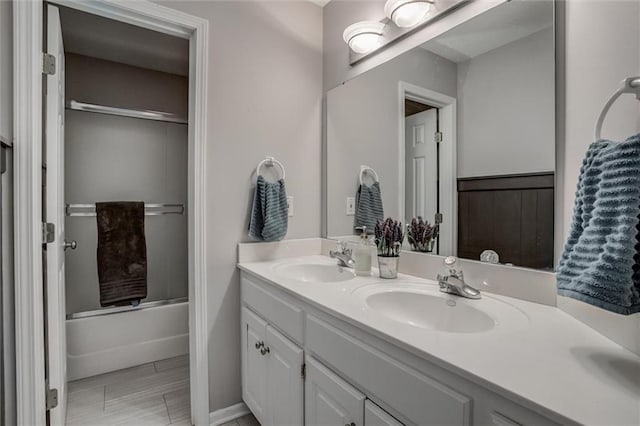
{"points": [[99, 344]]}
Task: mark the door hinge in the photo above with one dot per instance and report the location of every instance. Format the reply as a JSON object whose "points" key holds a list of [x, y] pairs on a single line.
{"points": [[48, 233], [437, 137], [48, 64], [303, 371], [438, 219], [51, 398]]}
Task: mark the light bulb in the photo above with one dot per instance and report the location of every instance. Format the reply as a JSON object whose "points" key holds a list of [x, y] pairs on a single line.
{"points": [[407, 13], [363, 37]]}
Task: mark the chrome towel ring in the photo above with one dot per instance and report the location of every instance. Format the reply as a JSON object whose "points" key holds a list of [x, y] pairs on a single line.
{"points": [[270, 162], [366, 169], [628, 85]]}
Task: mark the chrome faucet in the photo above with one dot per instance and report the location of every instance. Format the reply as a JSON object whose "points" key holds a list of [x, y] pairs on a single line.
{"points": [[343, 255], [452, 281]]}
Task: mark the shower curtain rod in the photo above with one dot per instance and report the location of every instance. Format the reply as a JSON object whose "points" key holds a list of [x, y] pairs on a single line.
{"points": [[123, 112]]}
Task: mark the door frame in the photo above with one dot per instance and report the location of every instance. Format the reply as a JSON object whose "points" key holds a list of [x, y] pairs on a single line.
{"points": [[28, 46], [448, 155]]}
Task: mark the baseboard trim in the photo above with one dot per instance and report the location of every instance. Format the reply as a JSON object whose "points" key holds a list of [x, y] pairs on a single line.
{"points": [[228, 414]]}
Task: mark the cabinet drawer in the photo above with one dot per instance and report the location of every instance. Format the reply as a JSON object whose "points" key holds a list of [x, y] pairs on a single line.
{"points": [[421, 399], [281, 313]]}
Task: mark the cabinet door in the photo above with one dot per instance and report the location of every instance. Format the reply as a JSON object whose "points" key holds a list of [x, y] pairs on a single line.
{"points": [[329, 400], [284, 380], [254, 364], [376, 416]]}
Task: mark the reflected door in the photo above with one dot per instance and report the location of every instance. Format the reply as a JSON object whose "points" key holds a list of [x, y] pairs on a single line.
{"points": [[421, 165]]}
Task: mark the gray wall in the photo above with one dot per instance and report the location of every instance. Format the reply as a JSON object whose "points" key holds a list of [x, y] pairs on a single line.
{"points": [[265, 93], [110, 158], [362, 128], [507, 111], [602, 47], [114, 84]]}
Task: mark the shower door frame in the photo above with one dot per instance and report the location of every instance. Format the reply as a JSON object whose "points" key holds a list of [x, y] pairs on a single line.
{"points": [[28, 124]]}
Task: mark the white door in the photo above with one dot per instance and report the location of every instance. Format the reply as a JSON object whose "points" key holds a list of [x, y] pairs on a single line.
{"points": [[284, 379], [54, 202], [329, 400], [376, 416], [421, 174], [254, 364]]}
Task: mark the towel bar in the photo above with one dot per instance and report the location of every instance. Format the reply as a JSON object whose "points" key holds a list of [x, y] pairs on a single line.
{"points": [[150, 209]]}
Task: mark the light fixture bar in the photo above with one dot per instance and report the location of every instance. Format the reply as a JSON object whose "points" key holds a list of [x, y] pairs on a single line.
{"points": [[393, 34]]}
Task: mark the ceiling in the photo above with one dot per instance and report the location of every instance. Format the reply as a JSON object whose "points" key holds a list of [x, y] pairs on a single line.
{"points": [[497, 27], [102, 38], [320, 3]]}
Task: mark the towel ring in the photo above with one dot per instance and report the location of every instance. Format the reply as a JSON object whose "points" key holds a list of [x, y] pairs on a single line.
{"points": [[628, 85], [270, 162], [367, 169]]}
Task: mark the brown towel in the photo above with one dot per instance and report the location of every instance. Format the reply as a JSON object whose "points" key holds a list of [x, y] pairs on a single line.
{"points": [[122, 252]]}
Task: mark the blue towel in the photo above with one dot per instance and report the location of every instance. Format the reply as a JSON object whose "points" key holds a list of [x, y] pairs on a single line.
{"points": [[368, 207], [269, 213], [600, 264]]}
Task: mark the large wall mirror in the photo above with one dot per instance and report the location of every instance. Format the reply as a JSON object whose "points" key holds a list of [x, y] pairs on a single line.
{"points": [[460, 132]]}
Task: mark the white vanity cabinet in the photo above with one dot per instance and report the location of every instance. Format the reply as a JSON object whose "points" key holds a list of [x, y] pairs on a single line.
{"points": [[376, 416], [272, 373], [303, 366], [329, 400]]}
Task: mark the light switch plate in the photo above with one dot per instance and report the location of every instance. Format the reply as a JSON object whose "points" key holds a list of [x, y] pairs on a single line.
{"points": [[290, 204], [351, 206]]}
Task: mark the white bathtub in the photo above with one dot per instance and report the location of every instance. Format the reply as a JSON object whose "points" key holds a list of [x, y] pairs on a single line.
{"points": [[104, 343]]}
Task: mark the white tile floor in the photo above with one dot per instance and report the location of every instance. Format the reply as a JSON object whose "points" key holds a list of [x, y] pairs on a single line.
{"points": [[151, 394]]}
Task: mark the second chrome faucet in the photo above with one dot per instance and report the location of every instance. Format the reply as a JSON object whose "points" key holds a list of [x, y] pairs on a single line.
{"points": [[452, 280]]}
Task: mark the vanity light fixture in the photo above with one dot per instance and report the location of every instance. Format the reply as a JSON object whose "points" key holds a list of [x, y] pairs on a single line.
{"points": [[364, 36], [407, 13]]}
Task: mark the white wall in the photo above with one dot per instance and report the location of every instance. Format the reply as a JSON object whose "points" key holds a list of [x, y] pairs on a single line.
{"points": [[506, 109], [111, 158], [602, 47], [265, 93], [8, 400], [363, 125]]}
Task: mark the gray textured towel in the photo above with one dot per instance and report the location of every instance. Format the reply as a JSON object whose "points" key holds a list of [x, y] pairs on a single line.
{"points": [[122, 252], [269, 213], [368, 206], [600, 264]]}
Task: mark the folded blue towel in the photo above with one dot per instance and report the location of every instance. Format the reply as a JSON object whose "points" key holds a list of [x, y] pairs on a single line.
{"points": [[600, 264], [368, 206], [269, 213]]}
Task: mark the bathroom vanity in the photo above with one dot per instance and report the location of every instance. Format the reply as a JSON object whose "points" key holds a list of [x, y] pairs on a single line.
{"points": [[321, 346]]}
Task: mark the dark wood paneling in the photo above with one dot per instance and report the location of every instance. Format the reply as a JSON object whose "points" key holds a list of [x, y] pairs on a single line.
{"points": [[512, 215], [414, 107], [495, 183]]}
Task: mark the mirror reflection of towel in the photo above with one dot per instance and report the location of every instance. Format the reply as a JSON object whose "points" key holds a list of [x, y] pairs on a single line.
{"points": [[368, 206], [600, 264], [122, 252], [269, 212]]}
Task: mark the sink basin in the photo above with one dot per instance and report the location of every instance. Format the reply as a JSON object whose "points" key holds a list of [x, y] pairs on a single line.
{"points": [[430, 311], [315, 272], [422, 305]]}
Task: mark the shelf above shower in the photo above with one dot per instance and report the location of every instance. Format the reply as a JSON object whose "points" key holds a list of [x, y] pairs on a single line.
{"points": [[124, 112], [150, 209]]}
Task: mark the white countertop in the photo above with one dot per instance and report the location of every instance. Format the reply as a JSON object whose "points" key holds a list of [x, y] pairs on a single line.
{"points": [[554, 364]]}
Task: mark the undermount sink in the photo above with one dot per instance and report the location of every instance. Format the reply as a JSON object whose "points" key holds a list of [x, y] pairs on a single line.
{"points": [[315, 272], [419, 305]]}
